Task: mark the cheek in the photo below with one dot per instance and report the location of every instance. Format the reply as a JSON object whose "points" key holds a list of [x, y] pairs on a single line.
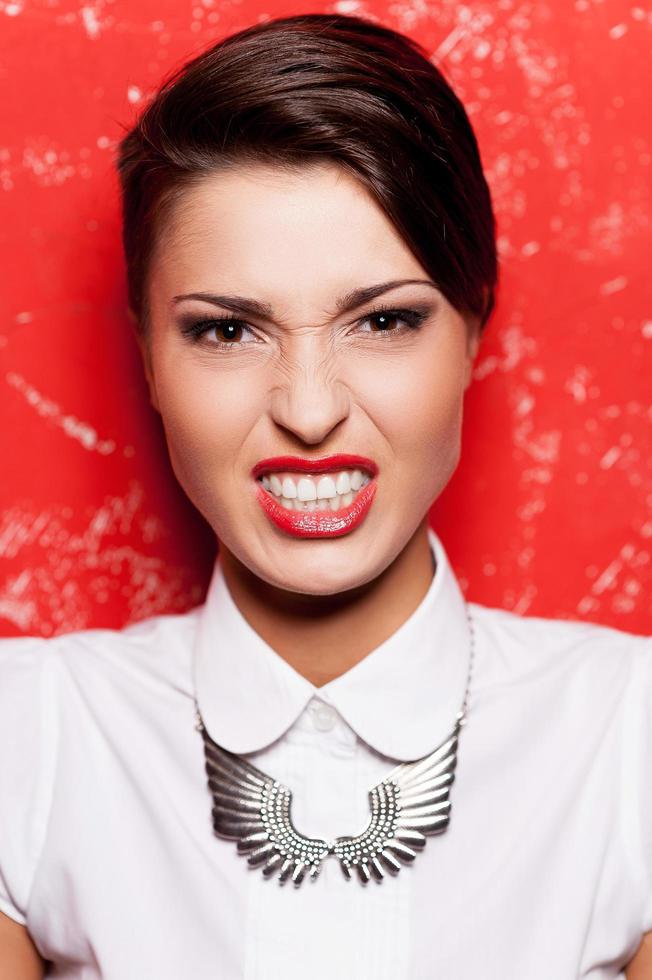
{"points": [[206, 418], [417, 406]]}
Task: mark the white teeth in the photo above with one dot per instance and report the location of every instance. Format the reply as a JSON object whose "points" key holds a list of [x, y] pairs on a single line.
{"points": [[329, 492], [289, 489], [306, 489], [356, 480], [326, 488], [343, 484], [326, 503]]}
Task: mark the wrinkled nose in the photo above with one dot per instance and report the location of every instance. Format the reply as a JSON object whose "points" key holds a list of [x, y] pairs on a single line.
{"points": [[310, 404]]}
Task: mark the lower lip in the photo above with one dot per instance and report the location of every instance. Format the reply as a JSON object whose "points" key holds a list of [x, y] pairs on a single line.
{"points": [[318, 523]]}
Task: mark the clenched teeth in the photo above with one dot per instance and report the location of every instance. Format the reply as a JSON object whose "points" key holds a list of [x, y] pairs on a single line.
{"points": [[332, 491]]}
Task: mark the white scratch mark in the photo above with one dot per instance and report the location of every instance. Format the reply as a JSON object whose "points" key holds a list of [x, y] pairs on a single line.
{"points": [[525, 600], [610, 457], [537, 474], [587, 604], [90, 22], [524, 404], [531, 508], [15, 607], [629, 559], [608, 229], [536, 375], [617, 31], [608, 578], [613, 285], [577, 384], [515, 346], [50, 167], [450, 41], [73, 427], [543, 447], [66, 571]]}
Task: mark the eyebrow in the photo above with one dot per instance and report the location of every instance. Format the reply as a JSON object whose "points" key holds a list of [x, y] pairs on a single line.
{"points": [[344, 304]]}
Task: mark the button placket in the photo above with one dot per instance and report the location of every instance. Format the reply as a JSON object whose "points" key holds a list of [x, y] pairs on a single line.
{"points": [[322, 721], [324, 718]]}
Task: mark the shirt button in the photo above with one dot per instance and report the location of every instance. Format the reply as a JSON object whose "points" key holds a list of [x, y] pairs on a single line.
{"points": [[324, 717]]}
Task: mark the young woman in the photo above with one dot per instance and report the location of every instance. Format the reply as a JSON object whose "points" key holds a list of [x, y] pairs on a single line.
{"points": [[335, 766]]}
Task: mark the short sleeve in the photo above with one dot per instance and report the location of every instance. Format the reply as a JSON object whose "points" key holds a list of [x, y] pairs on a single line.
{"points": [[27, 758]]}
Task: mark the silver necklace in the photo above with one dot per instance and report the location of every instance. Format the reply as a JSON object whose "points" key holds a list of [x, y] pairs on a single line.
{"points": [[410, 803]]}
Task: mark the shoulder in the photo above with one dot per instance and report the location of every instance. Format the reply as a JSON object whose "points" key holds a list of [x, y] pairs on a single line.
{"points": [[47, 683], [52, 691], [154, 649], [27, 763], [548, 636], [577, 657]]}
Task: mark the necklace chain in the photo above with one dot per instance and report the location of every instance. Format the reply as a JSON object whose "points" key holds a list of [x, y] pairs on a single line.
{"points": [[465, 701]]}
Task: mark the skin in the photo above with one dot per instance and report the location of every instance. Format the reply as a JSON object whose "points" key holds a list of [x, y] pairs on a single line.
{"points": [[19, 958], [310, 383], [314, 384]]}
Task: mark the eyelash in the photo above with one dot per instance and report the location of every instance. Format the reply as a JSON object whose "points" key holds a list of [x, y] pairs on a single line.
{"points": [[196, 329]]}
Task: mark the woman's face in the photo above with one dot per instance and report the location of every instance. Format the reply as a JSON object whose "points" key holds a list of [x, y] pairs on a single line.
{"points": [[303, 377]]}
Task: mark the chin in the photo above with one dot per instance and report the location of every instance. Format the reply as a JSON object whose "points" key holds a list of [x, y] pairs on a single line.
{"points": [[318, 578]]}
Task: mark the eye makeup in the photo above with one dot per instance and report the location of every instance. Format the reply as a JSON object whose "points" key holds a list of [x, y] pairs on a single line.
{"points": [[194, 328]]}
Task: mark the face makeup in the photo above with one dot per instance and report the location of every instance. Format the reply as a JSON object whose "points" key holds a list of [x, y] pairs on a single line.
{"points": [[308, 372]]}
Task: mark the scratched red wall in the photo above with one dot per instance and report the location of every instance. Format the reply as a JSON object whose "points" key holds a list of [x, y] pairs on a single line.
{"points": [[549, 512]]}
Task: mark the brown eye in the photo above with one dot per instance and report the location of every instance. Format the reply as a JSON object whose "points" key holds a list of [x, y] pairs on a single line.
{"points": [[392, 322], [228, 330], [384, 321], [220, 332]]}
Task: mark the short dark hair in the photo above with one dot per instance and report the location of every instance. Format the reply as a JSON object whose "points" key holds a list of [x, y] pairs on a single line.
{"points": [[310, 88]]}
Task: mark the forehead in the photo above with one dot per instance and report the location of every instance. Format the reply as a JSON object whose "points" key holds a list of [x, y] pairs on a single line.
{"points": [[279, 234]]}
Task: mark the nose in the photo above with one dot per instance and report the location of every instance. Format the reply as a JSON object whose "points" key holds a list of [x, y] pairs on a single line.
{"points": [[310, 401]]}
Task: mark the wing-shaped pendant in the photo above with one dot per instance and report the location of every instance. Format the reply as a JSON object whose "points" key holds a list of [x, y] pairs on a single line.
{"points": [[253, 809], [412, 802]]}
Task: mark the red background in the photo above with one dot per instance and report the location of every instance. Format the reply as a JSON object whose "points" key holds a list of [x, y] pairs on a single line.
{"points": [[549, 512]]}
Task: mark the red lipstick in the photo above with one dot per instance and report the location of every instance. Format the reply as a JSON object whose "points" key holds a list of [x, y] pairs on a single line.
{"points": [[316, 523], [299, 464]]}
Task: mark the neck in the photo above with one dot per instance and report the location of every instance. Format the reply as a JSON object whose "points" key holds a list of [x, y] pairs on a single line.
{"points": [[322, 637]]}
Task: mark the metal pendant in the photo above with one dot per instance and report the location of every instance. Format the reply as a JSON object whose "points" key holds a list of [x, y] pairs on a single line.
{"points": [[252, 808]]}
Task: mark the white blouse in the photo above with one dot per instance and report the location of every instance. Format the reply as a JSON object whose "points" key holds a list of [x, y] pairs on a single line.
{"points": [[108, 855]]}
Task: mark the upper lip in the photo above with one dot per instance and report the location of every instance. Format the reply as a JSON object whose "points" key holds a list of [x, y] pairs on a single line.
{"points": [[338, 461]]}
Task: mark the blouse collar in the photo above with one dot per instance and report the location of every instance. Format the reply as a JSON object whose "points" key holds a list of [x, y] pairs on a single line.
{"points": [[401, 699]]}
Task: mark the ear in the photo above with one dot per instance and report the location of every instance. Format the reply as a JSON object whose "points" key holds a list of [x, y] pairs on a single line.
{"points": [[473, 337], [143, 341]]}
